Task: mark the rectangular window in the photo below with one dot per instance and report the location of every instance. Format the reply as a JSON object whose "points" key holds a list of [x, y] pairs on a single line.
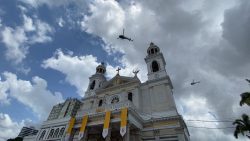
{"points": [[130, 96]]}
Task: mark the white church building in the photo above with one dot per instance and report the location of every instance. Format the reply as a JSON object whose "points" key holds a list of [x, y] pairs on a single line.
{"points": [[119, 109]]}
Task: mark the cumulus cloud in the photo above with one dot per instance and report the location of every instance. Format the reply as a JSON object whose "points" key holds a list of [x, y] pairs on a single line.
{"points": [[60, 22], [237, 31], [13, 38], [234, 48], [17, 40], [54, 3], [77, 69], [30, 93], [9, 128], [112, 18], [0, 23]]}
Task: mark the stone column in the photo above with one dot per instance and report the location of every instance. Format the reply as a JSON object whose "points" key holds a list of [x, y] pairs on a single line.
{"points": [[108, 138], [127, 135]]}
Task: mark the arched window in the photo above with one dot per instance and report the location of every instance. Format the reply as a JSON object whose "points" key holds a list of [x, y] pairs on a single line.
{"points": [[100, 84], [152, 51], [130, 96], [156, 50], [61, 132], [92, 86], [100, 103], [51, 133], [155, 66], [42, 135], [56, 133]]}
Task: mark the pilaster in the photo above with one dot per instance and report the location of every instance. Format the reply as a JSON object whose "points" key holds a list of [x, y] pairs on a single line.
{"points": [[85, 136], [108, 138], [126, 137]]}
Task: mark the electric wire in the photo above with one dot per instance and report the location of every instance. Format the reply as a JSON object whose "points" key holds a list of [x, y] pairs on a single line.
{"points": [[197, 120], [211, 127]]}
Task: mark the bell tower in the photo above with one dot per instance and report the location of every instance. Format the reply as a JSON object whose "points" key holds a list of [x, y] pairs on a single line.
{"points": [[155, 63], [97, 80]]}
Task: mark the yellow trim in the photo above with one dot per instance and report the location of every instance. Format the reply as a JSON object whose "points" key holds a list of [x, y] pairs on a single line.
{"points": [[107, 120], [100, 110], [124, 116], [84, 123], [166, 123], [71, 124]]}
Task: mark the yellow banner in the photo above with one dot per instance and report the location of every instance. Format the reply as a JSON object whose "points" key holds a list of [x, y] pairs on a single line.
{"points": [[107, 120], [84, 123], [71, 124], [124, 116]]}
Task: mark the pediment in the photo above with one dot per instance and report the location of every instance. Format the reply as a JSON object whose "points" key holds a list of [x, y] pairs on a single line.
{"points": [[119, 80]]}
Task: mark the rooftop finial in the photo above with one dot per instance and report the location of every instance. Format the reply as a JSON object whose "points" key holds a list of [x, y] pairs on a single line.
{"points": [[118, 69], [136, 71]]}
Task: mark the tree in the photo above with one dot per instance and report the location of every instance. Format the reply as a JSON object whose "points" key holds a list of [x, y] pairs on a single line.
{"points": [[245, 98], [243, 125]]}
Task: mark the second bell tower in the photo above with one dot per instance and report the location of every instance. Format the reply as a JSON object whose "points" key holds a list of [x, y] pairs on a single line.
{"points": [[96, 81], [155, 63]]}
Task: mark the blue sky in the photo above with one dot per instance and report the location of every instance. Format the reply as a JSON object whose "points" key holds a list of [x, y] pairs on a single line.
{"points": [[49, 48]]}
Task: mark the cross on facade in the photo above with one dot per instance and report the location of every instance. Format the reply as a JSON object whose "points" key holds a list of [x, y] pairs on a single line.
{"points": [[118, 70]]}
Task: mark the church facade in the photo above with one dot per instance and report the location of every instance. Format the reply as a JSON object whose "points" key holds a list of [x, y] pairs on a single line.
{"points": [[119, 109]]}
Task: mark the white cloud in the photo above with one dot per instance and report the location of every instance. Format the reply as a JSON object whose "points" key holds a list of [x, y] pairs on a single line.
{"points": [[28, 24], [112, 19], [41, 36], [14, 40], [33, 94], [4, 96], [9, 128], [0, 23], [78, 69], [18, 40], [60, 22], [53, 3]]}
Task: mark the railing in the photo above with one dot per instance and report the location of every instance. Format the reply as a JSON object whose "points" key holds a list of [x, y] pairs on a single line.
{"points": [[106, 107]]}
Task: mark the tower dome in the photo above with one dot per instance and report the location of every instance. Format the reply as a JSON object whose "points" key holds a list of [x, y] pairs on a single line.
{"points": [[101, 68], [153, 49]]}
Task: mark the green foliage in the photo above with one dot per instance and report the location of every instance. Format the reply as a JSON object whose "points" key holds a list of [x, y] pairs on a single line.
{"points": [[242, 126], [245, 98]]}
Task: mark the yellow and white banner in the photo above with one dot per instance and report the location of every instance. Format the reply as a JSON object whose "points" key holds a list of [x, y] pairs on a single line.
{"points": [[70, 127], [106, 124], [124, 116], [83, 126]]}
